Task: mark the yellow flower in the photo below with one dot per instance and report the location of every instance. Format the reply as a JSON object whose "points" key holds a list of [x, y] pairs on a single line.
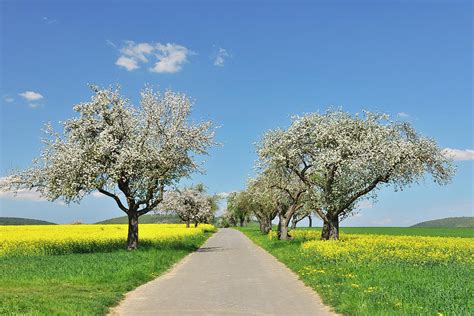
{"points": [[61, 239], [416, 250]]}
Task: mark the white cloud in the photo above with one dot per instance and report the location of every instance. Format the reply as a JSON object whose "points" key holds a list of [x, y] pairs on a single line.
{"points": [[171, 57], [365, 205], [110, 43], [33, 105], [127, 63], [167, 58], [403, 114], [137, 51], [224, 195], [382, 221], [459, 154], [29, 195], [49, 20], [31, 95], [97, 194], [8, 99], [222, 54], [23, 195]]}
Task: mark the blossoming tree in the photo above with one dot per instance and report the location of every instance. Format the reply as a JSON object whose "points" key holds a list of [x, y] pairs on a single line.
{"points": [[264, 202], [191, 205], [343, 158], [130, 154], [238, 205]]}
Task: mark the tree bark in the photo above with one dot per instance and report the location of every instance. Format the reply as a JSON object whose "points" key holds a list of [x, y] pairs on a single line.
{"points": [[310, 219], [294, 221], [283, 227], [132, 240], [187, 224], [265, 225], [330, 228], [242, 221], [196, 224]]}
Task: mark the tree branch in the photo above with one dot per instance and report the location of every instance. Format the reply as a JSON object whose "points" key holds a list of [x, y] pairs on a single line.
{"points": [[116, 198]]}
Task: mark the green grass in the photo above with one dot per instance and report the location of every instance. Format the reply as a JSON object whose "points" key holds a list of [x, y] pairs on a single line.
{"points": [[466, 221], [82, 284], [22, 221], [400, 288]]}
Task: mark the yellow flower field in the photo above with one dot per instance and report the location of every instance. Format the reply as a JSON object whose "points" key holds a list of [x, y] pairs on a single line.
{"points": [[62, 239], [409, 249]]}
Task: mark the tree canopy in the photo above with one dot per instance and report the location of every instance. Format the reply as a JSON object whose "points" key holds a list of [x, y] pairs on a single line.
{"points": [[341, 159]]}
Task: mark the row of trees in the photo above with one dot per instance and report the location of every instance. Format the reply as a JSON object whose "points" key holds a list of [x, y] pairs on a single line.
{"points": [[327, 163], [323, 163]]}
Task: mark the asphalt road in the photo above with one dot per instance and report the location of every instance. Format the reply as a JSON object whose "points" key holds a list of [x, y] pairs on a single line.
{"points": [[229, 275]]}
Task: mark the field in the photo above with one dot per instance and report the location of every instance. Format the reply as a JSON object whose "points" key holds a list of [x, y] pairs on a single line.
{"points": [[84, 269], [383, 271]]}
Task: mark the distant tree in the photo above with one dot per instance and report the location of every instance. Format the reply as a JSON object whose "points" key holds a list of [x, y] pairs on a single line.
{"points": [[227, 219], [237, 204], [265, 200], [301, 214], [128, 153], [345, 158], [192, 205], [289, 191]]}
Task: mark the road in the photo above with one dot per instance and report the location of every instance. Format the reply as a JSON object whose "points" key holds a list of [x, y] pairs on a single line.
{"points": [[228, 275]]}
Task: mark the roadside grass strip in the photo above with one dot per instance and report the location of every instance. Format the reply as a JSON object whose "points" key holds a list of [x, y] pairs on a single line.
{"points": [[375, 274], [84, 269]]}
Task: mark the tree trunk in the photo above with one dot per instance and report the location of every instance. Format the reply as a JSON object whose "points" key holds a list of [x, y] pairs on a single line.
{"points": [[242, 221], [187, 224], [196, 224], [330, 228], [310, 219], [132, 240], [283, 227], [294, 221], [284, 232], [265, 225]]}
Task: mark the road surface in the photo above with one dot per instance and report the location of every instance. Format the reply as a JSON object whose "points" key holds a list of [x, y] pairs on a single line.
{"points": [[228, 275]]}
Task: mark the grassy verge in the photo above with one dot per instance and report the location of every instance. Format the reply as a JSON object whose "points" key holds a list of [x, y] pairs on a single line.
{"points": [[84, 283], [374, 283]]}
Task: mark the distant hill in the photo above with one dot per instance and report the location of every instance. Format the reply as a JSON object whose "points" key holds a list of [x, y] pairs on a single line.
{"points": [[145, 219], [450, 222], [22, 221]]}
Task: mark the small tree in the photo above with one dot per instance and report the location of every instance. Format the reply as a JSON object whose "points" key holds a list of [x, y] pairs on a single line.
{"points": [[290, 191], [227, 219], [264, 201], [191, 205], [130, 154], [302, 213], [343, 159], [237, 204]]}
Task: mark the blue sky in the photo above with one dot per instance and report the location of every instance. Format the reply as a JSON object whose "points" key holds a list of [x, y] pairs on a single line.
{"points": [[249, 66]]}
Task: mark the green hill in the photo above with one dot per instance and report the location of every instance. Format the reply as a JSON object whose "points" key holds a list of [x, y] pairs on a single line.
{"points": [[22, 221], [453, 222], [145, 219]]}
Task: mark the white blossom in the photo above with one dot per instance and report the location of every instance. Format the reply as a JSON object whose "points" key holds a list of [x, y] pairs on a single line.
{"points": [[191, 205]]}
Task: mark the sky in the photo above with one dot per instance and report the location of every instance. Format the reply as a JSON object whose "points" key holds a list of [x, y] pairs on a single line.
{"points": [[249, 66]]}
